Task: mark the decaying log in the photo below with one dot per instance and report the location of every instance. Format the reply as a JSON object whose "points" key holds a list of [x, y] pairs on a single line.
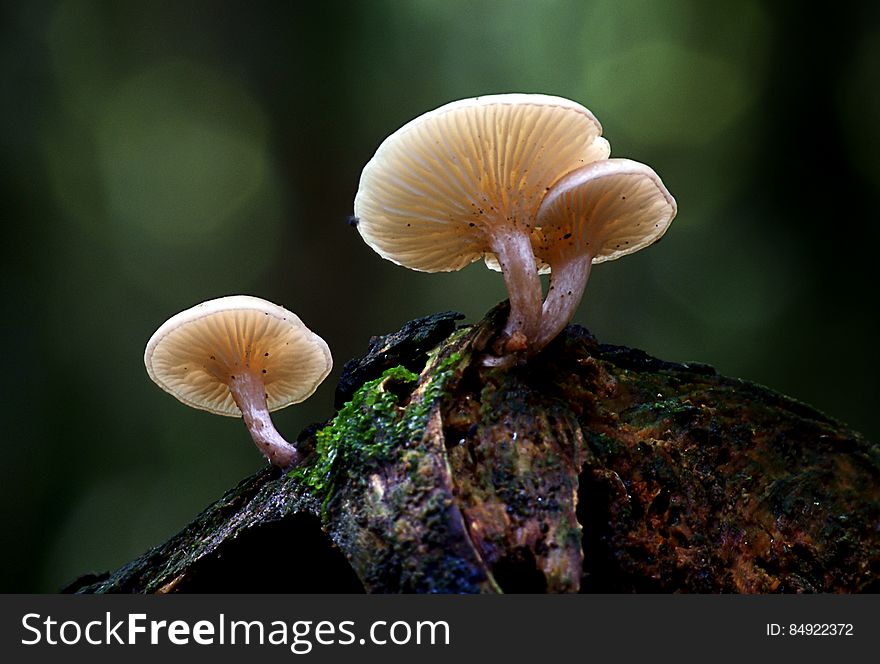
{"points": [[591, 468]]}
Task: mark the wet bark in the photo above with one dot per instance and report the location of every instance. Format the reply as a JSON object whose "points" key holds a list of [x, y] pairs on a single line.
{"points": [[593, 468]]}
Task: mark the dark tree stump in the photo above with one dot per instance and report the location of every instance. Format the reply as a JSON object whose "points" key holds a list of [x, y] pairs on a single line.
{"points": [[592, 468]]}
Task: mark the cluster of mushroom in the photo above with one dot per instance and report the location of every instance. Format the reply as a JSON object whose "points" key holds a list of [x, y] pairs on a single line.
{"points": [[523, 181]]}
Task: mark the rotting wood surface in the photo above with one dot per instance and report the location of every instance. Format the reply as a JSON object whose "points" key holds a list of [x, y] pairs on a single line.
{"points": [[592, 468]]}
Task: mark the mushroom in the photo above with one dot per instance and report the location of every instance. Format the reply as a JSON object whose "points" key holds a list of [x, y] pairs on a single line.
{"points": [[240, 356], [593, 214], [464, 182]]}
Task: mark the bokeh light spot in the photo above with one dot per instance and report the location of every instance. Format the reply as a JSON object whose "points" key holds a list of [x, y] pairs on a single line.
{"points": [[694, 96], [182, 151]]}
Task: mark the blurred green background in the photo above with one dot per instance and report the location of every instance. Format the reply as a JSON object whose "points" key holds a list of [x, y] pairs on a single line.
{"points": [[157, 154]]}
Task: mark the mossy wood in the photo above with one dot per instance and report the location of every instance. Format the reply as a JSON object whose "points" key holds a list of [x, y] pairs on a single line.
{"points": [[593, 468]]}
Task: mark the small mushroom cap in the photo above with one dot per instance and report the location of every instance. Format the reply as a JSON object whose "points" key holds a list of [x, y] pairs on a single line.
{"points": [[437, 187], [608, 209], [196, 353]]}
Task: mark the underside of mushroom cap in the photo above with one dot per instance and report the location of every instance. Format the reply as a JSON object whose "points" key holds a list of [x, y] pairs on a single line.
{"points": [[196, 353], [607, 209], [431, 195], [537, 238]]}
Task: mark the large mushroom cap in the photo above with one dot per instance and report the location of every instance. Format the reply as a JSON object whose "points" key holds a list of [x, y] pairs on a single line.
{"points": [[197, 352], [431, 195], [609, 209]]}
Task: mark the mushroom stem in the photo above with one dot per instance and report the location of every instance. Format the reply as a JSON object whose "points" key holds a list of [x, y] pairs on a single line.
{"points": [[249, 394], [568, 278], [517, 260]]}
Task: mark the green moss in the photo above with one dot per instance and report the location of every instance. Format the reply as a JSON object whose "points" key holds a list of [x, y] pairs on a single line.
{"points": [[650, 412], [412, 425], [603, 445], [358, 432], [370, 428]]}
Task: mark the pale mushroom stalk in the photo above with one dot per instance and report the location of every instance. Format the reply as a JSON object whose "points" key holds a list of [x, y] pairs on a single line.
{"points": [[599, 212], [517, 260], [568, 279], [249, 394]]}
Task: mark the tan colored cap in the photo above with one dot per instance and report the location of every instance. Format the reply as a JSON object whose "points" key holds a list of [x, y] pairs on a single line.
{"points": [[431, 195], [196, 353], [607, 209]]}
